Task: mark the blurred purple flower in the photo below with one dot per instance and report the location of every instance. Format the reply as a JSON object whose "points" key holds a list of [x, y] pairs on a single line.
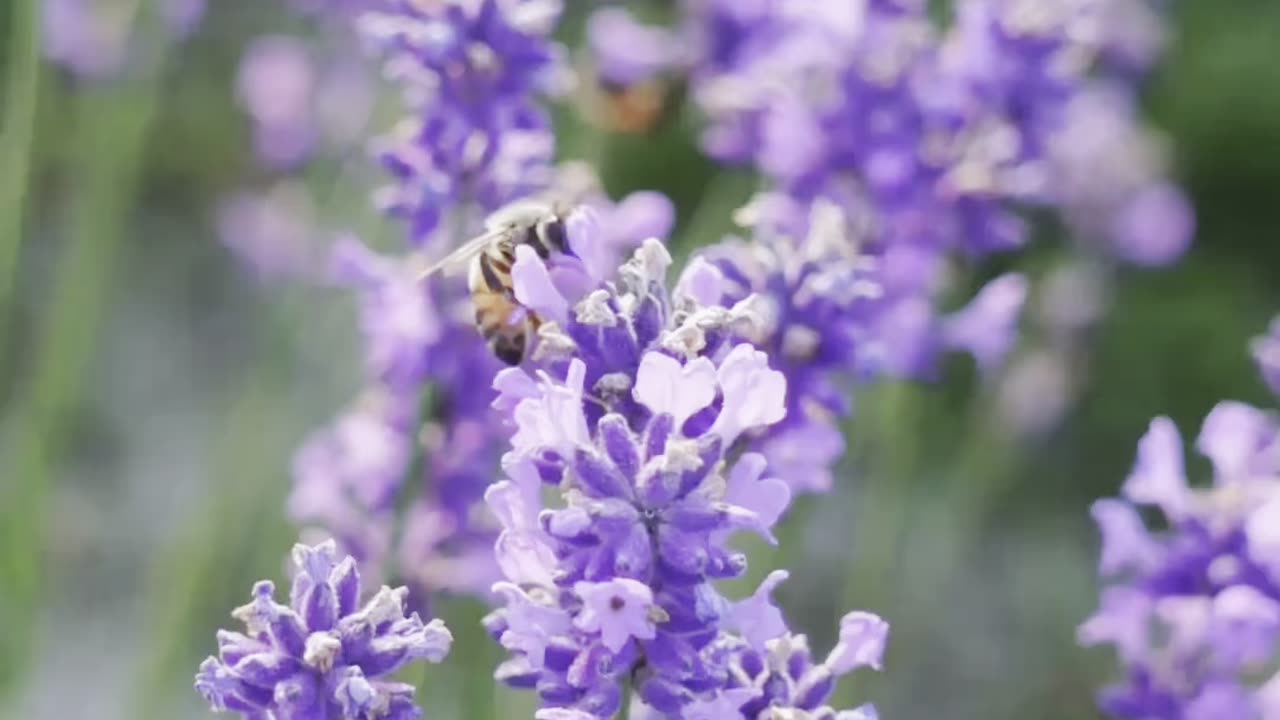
{"points": [[988, 327], [640, 397], [627, 52], [272, 232], [297, 101], [1266, 351], [471, 73], [275, 85], [1194, 611], [321, 656]]}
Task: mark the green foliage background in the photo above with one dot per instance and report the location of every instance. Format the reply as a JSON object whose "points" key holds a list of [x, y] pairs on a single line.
{"points": [[151, 393]]}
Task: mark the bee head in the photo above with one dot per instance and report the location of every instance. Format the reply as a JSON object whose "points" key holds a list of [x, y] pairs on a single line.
{"points": [[509, 347]]}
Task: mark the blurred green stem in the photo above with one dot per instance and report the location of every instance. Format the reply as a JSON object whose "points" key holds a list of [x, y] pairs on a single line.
{"points": [[189, 582], [888, 425], [17, 136], [109, 145]]}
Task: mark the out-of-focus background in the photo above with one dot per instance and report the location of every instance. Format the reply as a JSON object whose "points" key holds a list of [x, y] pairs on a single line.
{"points": [[153, 385]]}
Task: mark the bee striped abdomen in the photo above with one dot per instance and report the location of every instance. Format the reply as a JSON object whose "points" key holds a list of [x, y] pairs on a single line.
{"points": [[494, 277]]}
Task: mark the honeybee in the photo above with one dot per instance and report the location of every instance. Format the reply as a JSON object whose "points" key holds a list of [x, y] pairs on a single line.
{"points": [[639, 109], [503, 322]]}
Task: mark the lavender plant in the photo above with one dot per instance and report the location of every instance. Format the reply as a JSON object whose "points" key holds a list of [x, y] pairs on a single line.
{"points": [[1193, 611], [321, 656], [650, 425], [642, 397]]}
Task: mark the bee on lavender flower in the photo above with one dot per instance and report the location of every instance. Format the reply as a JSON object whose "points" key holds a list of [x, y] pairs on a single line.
{"points": [[504, 322]]}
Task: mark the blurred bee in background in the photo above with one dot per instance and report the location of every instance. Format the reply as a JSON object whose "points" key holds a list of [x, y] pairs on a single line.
{"points": [[637, 109], [503, 322]]}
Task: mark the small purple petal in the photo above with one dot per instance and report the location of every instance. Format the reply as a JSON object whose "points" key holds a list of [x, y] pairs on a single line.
{"points": [[757, 617], [863, 637], [1158, 476]]}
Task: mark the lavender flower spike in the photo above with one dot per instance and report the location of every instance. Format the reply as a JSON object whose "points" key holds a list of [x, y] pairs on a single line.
{"points": [[1194, 611], [320, 656], [638, 411]]}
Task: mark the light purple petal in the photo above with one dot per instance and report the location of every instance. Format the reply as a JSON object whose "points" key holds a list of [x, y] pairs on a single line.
{"points": [[533, 287], [1262, 529], [563, 714], [1187, 621], [1266, 352], [513, 385], [1246, 625], [757, 617], [583, 231], [722, 705], [1231, 437], [768, 498], [530, 624], [665, 386], [754, 395], [1158, 476], [1125, 542], [555, 420], [1219, 700], [627, 52], [1123, 620], [618, 609], [640, 216], [803, 455], [1155, 227], [522, 550], [863, 637], [988, 327], [701, 282]]}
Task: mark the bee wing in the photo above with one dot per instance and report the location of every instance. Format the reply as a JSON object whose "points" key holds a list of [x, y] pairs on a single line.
{"points": [[459, 258], [519, 212]]}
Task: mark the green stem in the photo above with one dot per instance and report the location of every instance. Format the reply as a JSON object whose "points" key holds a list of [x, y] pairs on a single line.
{"points": [[111, 144], [196, 576], [17, 138], [881, 516]]}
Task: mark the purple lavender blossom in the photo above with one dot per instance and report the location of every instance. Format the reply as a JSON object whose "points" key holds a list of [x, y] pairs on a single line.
{"points": [[781, 675], [471, 72], [298, 101], [275, 85], [831, 315], [420, 342], [321, 656], [641, 397], [931, 141], [1194, 611], [627, 52], [1266, 351], [272, 232]]}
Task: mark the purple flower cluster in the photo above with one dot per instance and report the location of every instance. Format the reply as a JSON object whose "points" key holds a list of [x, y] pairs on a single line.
{"points": [[935, 134], [641, 399], [1194, 610], [830, 314], [397, 478], [300, 100], [932, 142], [472, 74], [424, 359], [322, 656]]}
